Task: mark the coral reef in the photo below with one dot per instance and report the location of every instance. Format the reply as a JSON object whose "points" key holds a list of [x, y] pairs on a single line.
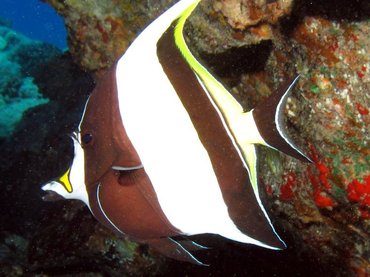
{"points": [[241, 14], [92, 249], [100, 31], [327, 202], [19, 58]]}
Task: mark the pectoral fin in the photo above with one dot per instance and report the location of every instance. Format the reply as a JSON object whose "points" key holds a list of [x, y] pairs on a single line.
{"points": [[136, 176], [124, 168], [128, 175]]}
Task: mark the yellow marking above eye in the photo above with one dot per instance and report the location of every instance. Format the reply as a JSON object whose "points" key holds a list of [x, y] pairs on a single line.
{"points": [[64, 180]]}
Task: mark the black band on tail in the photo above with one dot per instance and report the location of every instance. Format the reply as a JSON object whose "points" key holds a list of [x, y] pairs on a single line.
{"points": [[269, 118]]}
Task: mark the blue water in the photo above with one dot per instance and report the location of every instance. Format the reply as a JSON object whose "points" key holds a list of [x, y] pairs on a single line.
{"points": [[36, 20]]}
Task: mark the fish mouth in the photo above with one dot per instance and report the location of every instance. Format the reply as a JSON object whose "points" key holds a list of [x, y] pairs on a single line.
{"points": [[51, 196]]}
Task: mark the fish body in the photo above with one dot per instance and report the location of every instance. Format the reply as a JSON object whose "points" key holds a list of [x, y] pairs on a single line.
{"points": [[164, 151]]}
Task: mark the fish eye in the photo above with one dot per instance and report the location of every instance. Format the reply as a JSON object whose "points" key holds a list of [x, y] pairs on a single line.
{"points": [[86, 138]]}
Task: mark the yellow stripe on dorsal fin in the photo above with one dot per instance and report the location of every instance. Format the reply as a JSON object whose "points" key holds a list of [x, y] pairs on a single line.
{"points": [[225, 102], [240, 125]]}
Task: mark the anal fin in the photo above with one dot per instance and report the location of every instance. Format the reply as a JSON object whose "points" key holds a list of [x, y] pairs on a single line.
{"points": [[175, 250], [189, 244]]}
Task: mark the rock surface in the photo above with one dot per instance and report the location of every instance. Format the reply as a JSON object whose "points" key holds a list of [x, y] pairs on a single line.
{"points": [[242, 14], [100, 31]]}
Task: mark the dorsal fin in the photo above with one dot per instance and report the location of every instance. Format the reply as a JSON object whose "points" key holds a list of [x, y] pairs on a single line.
{"points": [[269, 118]]}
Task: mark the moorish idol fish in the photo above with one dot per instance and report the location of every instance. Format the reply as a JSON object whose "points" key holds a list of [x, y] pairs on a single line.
{"points": [[164, 151]]}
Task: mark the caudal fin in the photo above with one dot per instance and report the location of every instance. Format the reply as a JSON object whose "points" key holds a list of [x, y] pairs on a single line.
{"points": [[269, 118]]}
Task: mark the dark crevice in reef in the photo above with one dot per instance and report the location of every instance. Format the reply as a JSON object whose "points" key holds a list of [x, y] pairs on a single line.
{"points": [[234, 62], [337, 10]]}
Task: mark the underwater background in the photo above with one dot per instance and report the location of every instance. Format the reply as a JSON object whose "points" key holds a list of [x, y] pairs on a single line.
{"points": [[51, 55], [35, 20]]}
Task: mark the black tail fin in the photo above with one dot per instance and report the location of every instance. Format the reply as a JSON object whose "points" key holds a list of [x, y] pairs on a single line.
{"points": [[269, 118]]}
